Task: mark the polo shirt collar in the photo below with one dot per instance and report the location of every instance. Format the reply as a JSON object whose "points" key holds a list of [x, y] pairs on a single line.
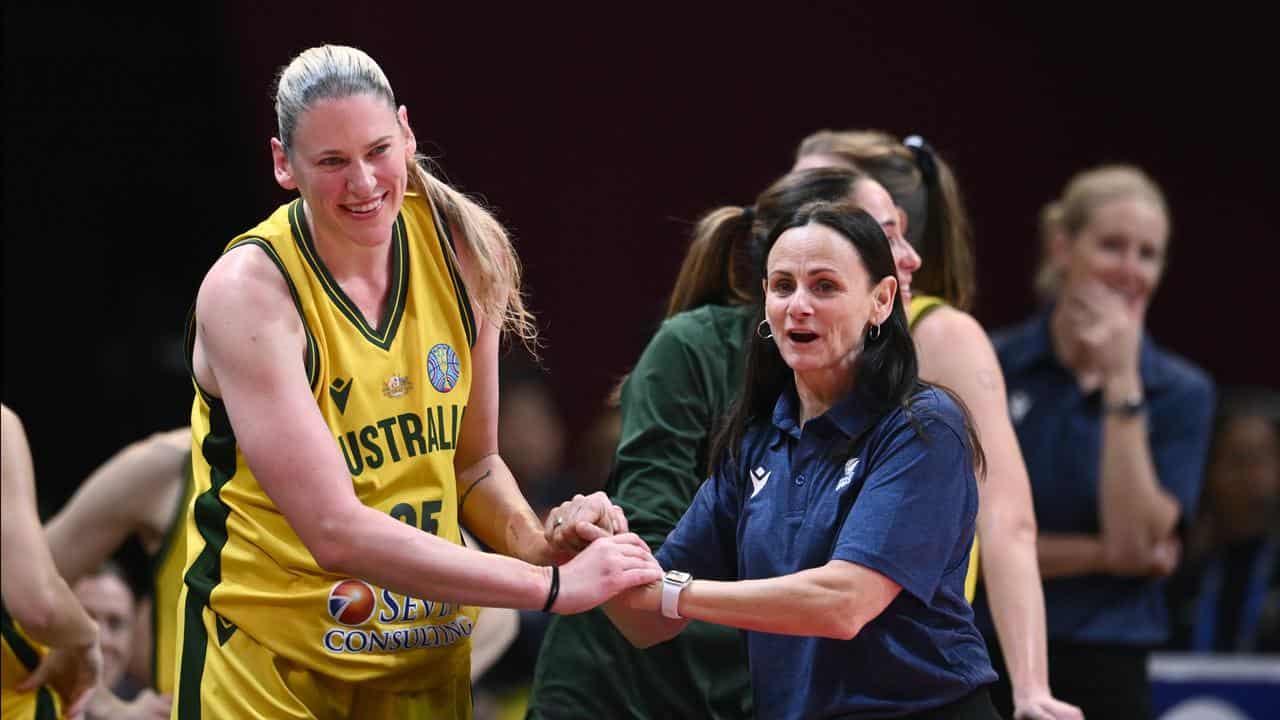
{"points": [[848, 416]]}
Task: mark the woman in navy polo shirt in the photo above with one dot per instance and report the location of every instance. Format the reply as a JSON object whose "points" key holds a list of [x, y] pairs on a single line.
{"points": [[1115, 431], [837, 526]]}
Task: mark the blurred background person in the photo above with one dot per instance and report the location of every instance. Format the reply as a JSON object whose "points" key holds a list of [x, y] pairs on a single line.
{"points": [[107, 597], [1114, 430], [50, 659], [1226, 595]]}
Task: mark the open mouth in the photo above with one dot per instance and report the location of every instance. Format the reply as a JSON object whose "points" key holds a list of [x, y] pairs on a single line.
{"points": [[802, 337]]}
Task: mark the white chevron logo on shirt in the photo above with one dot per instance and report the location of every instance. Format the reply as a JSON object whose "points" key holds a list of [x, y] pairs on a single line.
{"points": [[847, 477], [759, 477]]}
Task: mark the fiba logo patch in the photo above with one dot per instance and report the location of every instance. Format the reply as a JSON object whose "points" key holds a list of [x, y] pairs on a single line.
{"points": [[443, 367], [351, 602]]}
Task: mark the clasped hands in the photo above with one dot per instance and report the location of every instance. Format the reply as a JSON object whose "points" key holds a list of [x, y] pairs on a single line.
{"points": [[589, 536]]}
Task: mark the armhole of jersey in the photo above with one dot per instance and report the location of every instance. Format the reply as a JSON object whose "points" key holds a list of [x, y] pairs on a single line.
{"points": [[931, 305], [313, 349], [22, 649], [449, 250]]}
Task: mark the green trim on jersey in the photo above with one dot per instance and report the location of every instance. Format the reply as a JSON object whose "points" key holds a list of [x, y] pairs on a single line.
{"points": [[210, 513], [46, 708], [22, 649], [312, 361], [459, 288], [166, 544], [313, 348], [176, 528], [385, 334], [921, 306]]}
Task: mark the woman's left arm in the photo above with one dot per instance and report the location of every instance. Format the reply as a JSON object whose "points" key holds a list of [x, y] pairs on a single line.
{"points": [[490, 503], [955, 351]]}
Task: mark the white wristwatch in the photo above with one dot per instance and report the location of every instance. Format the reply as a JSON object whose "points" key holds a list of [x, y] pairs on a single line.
{"points": [[672, 583]]}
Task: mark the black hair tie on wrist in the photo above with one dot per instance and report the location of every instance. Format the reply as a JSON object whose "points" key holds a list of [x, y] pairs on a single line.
{"points": [[923, 153], [554, 592]]}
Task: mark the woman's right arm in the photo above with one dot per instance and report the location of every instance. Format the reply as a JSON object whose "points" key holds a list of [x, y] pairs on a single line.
{"points": [[249, 342]]}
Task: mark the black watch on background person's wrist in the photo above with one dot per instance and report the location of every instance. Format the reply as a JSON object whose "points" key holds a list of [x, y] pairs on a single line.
{"points": [[1129, 407]]}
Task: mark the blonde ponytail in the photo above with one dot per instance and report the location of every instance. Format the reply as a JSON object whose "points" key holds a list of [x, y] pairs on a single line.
{"points": [[497, 290]]}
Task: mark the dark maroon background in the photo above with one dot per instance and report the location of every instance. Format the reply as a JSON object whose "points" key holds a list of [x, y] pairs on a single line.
{"points": [[136, 145]]}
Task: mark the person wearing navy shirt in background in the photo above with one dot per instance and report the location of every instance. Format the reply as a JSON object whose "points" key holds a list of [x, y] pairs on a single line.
{"points": [[837, 525], [1114, 430], [1226, 595]]}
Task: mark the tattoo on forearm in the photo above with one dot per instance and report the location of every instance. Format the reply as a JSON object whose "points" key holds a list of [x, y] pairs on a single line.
{"points": [[472, 486]]}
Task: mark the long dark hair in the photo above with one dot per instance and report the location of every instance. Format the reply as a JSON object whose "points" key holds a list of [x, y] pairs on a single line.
{"points": [[886, 369]]}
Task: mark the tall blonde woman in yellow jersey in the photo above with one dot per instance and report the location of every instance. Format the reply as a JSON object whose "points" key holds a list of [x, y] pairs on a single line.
{"points": [[49, 655], [954, 351], [345, 357]]}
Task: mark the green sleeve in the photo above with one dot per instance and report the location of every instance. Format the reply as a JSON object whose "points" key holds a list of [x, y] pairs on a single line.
{"points": [[669, 402]]}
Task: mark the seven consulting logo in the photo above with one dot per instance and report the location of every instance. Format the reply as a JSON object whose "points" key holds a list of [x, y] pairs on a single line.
{"points": [[351, 602], [443, 368]]}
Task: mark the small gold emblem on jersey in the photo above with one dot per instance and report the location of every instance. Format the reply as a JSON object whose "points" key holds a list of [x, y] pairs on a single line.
{"points": [[396, 386]]}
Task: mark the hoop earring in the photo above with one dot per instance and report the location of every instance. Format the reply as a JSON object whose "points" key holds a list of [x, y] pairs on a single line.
{"points": [[764, 324], [874, 333]]}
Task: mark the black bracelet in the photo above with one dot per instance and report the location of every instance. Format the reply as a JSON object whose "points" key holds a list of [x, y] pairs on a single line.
{"points": [[555, 589]]}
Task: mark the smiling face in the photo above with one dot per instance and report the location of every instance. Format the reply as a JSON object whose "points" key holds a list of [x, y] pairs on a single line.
{"points": [[348, 160], [1122, 246], [109, 601], [876, 201], [820, 299]]}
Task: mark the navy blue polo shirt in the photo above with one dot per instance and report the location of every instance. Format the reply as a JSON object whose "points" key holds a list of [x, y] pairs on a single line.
{"points": [[1060, 431], [900, 502]]}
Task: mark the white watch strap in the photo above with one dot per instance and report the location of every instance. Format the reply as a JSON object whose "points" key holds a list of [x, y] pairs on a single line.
{"points": [[671, 599]]}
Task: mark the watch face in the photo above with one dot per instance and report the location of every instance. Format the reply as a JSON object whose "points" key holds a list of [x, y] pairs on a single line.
{"points": [[678, 576]]}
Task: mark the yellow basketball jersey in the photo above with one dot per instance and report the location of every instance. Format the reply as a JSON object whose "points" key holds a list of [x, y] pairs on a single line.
{"points": [[920, 306], [166, 583], [19, 655], [394, 397]]}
